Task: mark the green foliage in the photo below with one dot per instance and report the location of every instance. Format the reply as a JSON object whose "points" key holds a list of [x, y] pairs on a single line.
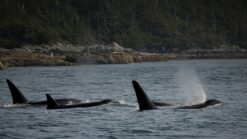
{"points": [[146, 25]]}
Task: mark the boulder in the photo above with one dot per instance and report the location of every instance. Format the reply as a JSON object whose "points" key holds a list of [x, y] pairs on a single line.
{"points": [[1, 66]]}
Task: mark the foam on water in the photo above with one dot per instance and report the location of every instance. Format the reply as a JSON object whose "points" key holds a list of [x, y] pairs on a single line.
{"points": [[14, 105], [123, 103]]}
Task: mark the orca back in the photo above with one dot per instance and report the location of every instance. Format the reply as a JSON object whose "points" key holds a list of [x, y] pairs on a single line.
{"points": [[142, 98], [17, 96], [207, 103]]}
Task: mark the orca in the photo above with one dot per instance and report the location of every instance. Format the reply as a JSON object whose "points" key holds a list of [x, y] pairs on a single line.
{"points": [[19, 98], [207, 103], [142, 98], [53, 104], [146, 104]]}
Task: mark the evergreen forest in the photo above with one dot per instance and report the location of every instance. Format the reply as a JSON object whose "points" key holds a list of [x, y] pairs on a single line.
{"points": [[144, 25]]}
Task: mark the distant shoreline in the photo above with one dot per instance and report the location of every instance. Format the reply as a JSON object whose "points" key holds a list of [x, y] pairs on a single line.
{"points": [[67, 55], [213, 54]]}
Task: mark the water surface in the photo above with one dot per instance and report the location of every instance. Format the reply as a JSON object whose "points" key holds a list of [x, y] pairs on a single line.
{"points": [[175, 82]]}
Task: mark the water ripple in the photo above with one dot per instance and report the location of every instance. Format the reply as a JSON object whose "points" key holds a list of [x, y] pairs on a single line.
{"points": [[221, 79]]}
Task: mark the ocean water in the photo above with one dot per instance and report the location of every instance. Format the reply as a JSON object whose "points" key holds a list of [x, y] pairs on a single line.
{"points": [[179, 82]]}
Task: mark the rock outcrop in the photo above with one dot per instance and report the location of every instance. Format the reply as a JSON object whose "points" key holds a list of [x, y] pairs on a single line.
{"points": [[21, 58], [67, 54], [115, 54], [1, 66]]}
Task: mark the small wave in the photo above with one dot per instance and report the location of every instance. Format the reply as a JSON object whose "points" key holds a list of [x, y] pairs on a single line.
{"points": [[14, 105], [112, 137], [140, 131], [122, 103], [8, 136]]}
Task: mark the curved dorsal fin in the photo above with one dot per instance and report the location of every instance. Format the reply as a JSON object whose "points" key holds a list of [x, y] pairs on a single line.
{"points": [[142, 98], [17, 96], [51, 103]]}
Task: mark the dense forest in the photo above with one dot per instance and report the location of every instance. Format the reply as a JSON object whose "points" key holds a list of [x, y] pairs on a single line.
{"points": [[146, 25]]}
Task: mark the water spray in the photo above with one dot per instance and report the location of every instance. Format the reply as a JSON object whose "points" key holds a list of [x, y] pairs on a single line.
{"points": [[191, 87]]}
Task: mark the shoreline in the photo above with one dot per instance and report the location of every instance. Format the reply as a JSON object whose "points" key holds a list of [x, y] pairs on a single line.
{"points": [[69, 55], [213, 54]]}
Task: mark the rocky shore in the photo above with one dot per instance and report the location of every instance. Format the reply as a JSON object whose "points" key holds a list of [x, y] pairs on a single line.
{"points": [[66, 54], [22, 58], [1, 66], [114, 54]]}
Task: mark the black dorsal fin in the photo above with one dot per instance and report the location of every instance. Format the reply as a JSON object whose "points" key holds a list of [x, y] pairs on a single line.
{"points": [[17, 96], [142, 98], [51, 103]]}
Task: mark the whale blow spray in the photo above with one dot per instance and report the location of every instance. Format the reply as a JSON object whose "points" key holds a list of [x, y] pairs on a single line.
{"points": [[191, 87]]}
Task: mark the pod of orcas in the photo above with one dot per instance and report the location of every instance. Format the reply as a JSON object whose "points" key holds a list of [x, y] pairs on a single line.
{"points": [[143, 100], [19, 98]]}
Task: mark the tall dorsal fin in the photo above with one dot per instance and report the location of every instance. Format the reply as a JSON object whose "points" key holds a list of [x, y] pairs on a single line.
{"points": [[51, 103], [142, 98], [17, 96]]}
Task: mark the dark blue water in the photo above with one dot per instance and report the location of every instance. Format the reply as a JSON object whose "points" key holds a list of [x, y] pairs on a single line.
{"points": [[173, 82]]}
